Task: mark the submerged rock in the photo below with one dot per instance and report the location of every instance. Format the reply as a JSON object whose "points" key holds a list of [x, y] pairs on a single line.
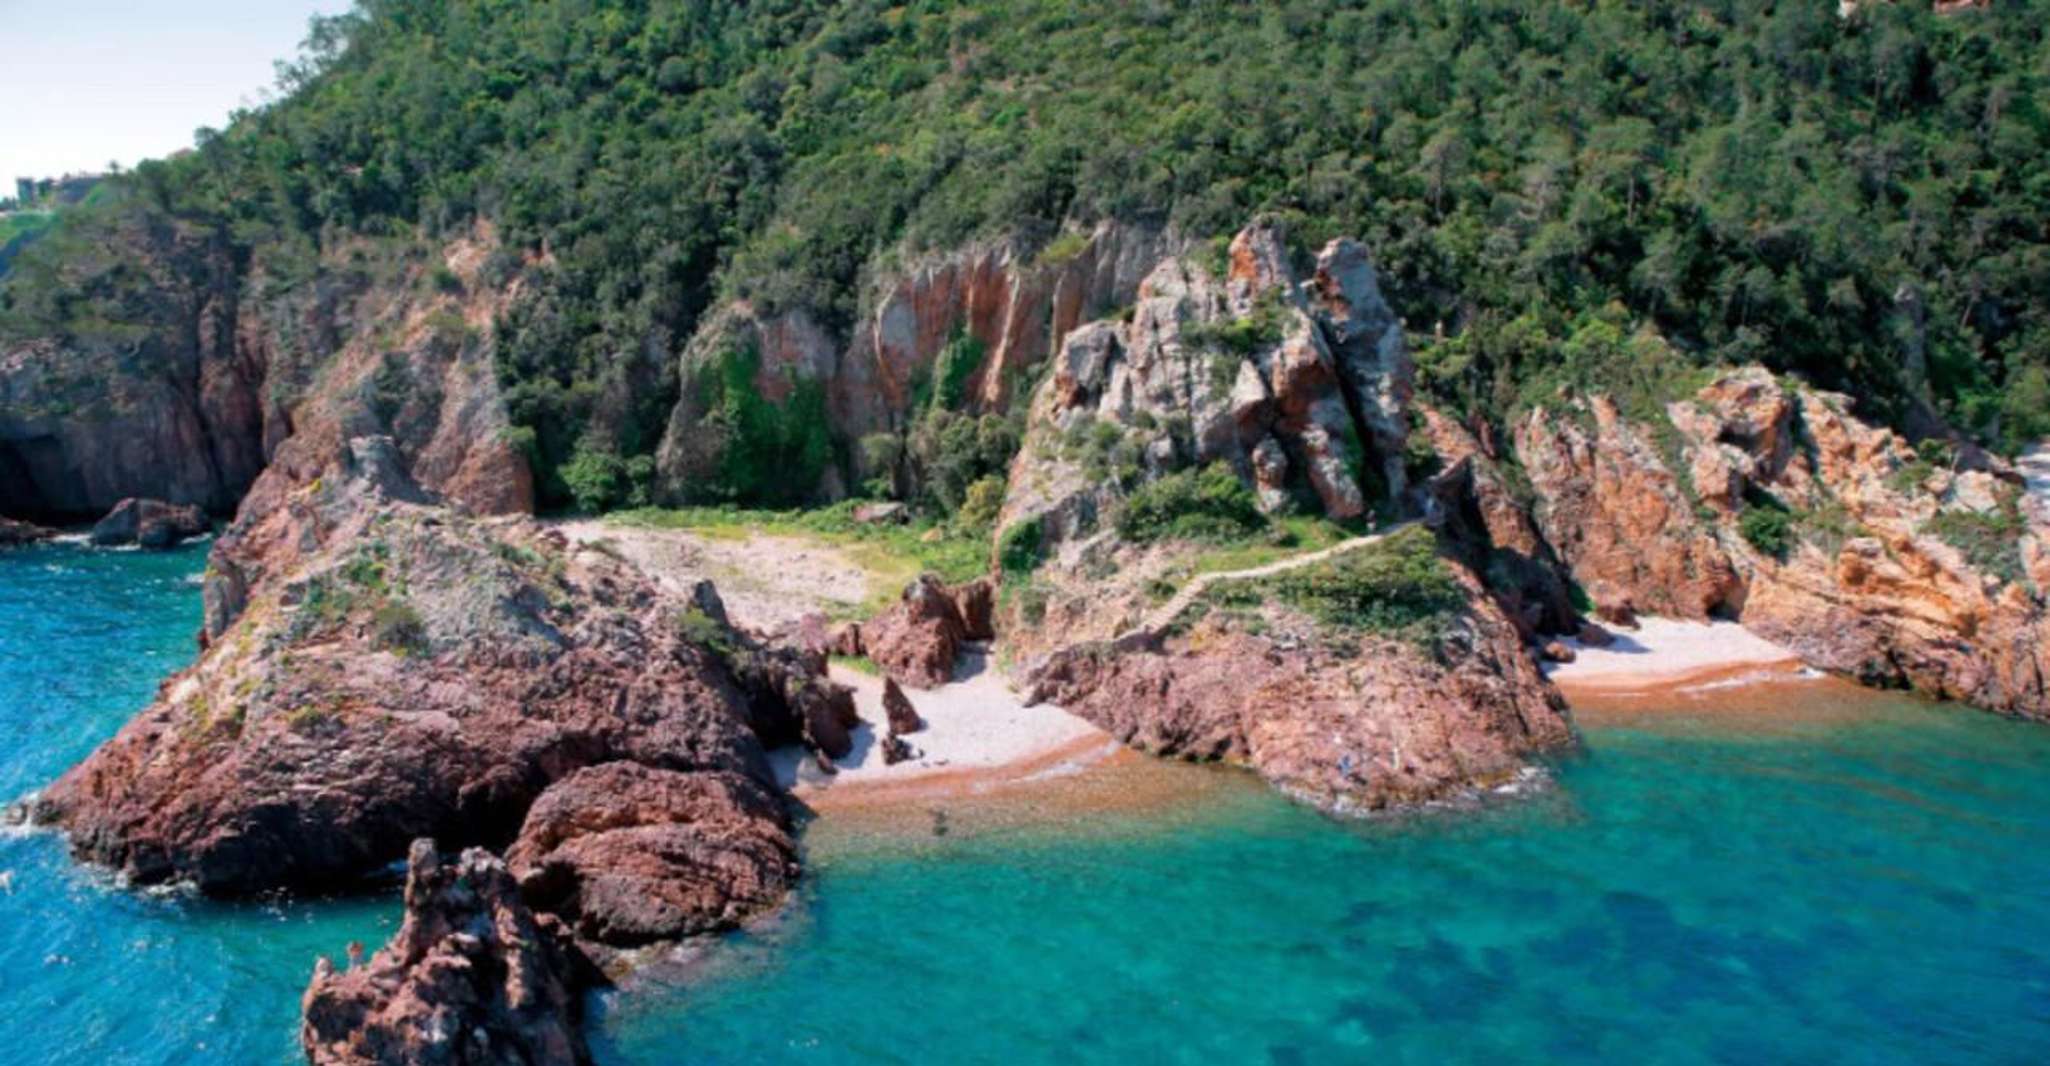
{"points": [[472, 977]]}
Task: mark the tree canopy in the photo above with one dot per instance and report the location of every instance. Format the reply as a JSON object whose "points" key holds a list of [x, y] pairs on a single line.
{"points": [[1859, 200]]}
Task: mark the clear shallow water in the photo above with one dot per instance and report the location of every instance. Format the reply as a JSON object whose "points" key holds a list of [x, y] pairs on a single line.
{"points": [[1874, 887], [91, 974]]}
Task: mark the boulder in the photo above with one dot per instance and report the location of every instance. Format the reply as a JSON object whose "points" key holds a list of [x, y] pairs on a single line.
{"points": [[903, 717], [896, 749], [1558, 652], [627, 855], [916, 640], [472, 977], [149, 523]]}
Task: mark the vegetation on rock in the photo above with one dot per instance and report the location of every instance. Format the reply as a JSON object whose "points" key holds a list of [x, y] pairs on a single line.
{"points": [[1846, 198]]}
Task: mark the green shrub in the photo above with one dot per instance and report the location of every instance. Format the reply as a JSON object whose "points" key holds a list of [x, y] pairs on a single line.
{"points": [[1769, 528], [1990, 542], [774, 453], [1019, 550], [396, 626], [981, 504], [1210, 504], [701, 629], [596, 478]]}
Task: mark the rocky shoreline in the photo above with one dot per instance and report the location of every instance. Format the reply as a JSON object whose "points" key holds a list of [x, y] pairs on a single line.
{"points": [[570, 753]]}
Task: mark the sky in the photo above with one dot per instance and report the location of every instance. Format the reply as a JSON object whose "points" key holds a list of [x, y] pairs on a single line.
{"points": [[85, 82]]}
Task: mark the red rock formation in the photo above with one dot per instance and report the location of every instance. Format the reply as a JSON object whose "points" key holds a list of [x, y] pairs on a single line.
{"points": [[897, 707], [1867, 585], [1619, 518], [1015, 302], [396, 670], [472, 977], [627, 855], [917, 639], [1347, 722], [225, 376]]}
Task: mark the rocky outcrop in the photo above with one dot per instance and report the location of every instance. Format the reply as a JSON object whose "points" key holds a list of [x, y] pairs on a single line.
{"points": [[396, 669], [628, 855], [1301, 387], [1346, 718], [472, 978], [1900, 571], [14, 534], [1619, 517], [1490, 524], [1012, 299], [903, 717], [917, 639], [1773, 504], [150, 523]]}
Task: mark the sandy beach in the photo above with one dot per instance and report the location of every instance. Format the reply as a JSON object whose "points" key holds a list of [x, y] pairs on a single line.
{"points": [[1664, 655], [978, 737]]}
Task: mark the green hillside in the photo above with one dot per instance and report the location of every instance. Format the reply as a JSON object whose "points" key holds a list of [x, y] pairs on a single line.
{"points": [[1861, 201]]}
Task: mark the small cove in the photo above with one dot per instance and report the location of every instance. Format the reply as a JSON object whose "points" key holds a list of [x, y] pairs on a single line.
{"points": [[1865, 873]]}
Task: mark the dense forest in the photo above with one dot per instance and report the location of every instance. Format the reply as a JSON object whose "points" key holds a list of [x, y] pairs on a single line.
{"points": [[1859, 200]]}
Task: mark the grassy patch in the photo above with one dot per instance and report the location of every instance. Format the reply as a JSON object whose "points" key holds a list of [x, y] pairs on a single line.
{"points": [[1397, 588], [891, 554], [860, 664], [1990, 542]]}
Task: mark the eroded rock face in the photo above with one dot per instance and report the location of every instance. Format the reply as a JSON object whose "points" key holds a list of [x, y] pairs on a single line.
{"points": [[1869, 581], [1292, 383], [395, 669], [472, 978], [627, 855], [1350, 723], [1014, 300], [1495, 533], [1871, 587], [1615, 513], [150, 523]]}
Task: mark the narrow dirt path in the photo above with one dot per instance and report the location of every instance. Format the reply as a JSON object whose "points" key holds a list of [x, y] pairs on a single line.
{"points": [[1164, 615]]}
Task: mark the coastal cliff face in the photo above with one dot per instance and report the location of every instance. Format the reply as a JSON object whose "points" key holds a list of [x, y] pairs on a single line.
{"points": [[1302, 388], [234, 368], [1778, 507], [1009, 303]]}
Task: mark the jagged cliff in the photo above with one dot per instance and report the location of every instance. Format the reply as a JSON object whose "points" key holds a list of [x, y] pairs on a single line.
{"points": [[232, 370], [1775, 505]]}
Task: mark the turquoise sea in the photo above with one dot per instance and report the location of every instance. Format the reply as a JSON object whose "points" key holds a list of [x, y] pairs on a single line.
{"points": [[1869, 883]]}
